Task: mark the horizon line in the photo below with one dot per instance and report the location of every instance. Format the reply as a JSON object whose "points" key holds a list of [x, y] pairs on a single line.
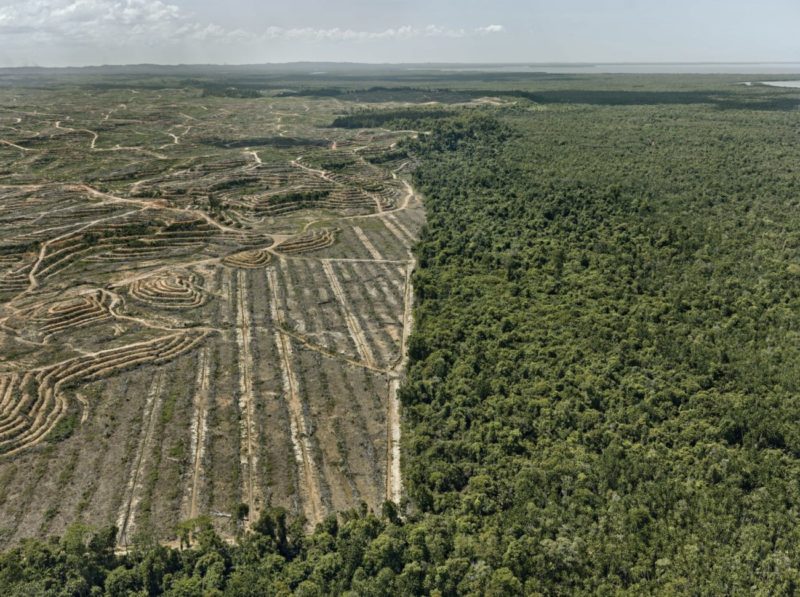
{"points": [[577, 64]]}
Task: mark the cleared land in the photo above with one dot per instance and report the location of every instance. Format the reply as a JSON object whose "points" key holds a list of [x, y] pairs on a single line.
{"points": [[204, 303]]}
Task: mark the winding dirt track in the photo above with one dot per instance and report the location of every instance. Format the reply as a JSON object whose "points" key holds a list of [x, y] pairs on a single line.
{"points": [[321, 173], [95, 136], [43, 251], [14, 145], [155, 205], [256, 157]]}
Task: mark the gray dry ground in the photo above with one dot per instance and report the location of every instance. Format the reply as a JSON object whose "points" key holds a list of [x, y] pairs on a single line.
{"points": [[163, 358]]}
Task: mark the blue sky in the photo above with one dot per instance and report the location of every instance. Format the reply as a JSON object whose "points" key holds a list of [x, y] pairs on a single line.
{"points": [[78, 32]]}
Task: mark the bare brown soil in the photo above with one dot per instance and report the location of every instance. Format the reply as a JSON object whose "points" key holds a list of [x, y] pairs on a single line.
{"points": [[187, 327]]}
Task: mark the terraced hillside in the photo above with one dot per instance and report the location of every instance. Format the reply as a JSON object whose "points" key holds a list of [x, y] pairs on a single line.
{"points": [[204, 305]]}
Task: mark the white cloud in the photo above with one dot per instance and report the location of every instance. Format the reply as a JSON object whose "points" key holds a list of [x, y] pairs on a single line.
{"points": [[491, 29], [62, 14], [403, 32], [90, 20]]}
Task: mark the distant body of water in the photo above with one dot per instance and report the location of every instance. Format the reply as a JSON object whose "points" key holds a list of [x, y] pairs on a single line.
{"points": [[778, 68], [794, 84]]}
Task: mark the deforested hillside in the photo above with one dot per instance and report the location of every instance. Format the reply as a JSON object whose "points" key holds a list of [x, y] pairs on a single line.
{"points": [[204, 306]]}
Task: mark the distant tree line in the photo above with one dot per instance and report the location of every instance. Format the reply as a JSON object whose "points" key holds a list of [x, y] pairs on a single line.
{"points": [[231, 92]]}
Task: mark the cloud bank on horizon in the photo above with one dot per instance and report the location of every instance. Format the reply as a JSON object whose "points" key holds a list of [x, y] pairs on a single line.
{"points": [[129, 31]]}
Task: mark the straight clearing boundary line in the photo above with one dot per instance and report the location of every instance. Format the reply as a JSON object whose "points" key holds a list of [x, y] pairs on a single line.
{"points": [[125, 518], [352, 323], [312, 505], [249, 434], [367, 243], [199, 430]]}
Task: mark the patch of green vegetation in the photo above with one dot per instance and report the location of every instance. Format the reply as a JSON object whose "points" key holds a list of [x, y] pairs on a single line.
{"points": [[5, 482], [168, 408], [233, 183], [178, 450], [307, 197], [387, 156], [277, 142], [399, 119], [63, 429], [229, 92]]}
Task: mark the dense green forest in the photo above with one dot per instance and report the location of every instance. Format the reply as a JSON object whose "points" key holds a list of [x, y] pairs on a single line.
{"points": [[603, 388], [396, 118]]}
